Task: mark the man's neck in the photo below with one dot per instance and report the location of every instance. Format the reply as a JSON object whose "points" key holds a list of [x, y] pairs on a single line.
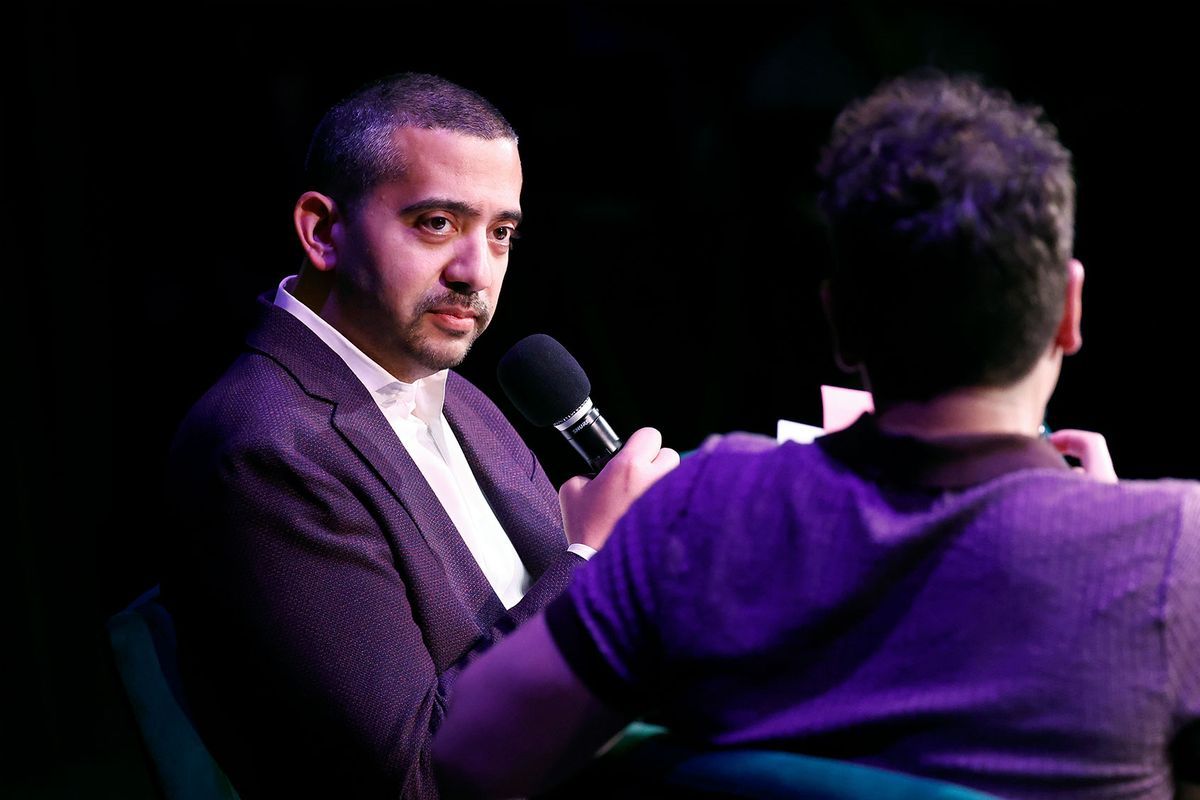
{"points": [[1018, 408], [312, 287], [974, 410]]}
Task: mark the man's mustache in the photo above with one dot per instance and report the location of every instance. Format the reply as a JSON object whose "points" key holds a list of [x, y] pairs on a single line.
{"points": [[470, 302]]}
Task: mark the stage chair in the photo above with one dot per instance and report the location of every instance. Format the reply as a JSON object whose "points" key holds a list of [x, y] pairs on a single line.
{"points": [[142, 643]]}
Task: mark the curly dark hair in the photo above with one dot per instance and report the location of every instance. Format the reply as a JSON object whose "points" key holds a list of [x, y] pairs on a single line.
{"points": [[352, 151], [951, 209]]}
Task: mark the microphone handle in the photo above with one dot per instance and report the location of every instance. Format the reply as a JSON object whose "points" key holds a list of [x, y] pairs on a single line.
{"points": [[594, 439]]}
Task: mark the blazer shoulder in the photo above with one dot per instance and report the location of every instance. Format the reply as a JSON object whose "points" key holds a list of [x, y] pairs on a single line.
{"points": [[256, 401]]}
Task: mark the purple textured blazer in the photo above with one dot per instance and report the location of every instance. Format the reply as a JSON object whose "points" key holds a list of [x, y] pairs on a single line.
{"points": [[324, 601]]}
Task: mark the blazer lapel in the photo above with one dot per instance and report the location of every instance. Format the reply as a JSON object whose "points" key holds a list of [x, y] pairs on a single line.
{"points": [[452, 627], [520, 507]]}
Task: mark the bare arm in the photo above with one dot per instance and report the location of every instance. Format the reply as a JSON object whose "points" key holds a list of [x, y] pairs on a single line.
{"points": [[519, 720]]}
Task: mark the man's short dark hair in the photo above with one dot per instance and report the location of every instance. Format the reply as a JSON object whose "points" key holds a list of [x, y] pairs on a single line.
{"points": [[352, 149], [951, 209]]}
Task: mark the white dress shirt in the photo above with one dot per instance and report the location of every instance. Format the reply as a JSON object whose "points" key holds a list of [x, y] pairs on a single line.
{"points": [[414, 410]]}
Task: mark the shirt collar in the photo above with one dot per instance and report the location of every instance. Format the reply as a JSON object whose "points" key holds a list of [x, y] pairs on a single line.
{"points": [[952, 462], [424, 397]]}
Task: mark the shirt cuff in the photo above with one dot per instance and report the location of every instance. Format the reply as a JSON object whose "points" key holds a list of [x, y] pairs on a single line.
{"points": [[582, 550]]}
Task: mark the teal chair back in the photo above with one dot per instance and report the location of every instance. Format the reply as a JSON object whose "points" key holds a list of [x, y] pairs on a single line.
{"points": [[775, 775], [648, 763], [142, 642]]}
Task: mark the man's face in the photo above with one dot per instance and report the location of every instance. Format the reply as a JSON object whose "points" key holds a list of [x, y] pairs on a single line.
{"points": [[420, 260]]}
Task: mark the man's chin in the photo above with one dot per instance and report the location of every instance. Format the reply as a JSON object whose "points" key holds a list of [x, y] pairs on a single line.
{"points": [[436, 348], [445, 356]]}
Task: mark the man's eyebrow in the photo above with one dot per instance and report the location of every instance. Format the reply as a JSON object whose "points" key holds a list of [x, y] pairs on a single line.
{"points": [[457, 206]]}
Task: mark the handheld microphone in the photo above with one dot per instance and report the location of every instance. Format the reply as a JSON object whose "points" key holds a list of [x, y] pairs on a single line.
{"points": [[548, 387]]}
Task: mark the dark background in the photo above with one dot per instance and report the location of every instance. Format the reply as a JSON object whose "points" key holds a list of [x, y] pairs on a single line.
{"points": [[151, 157]]}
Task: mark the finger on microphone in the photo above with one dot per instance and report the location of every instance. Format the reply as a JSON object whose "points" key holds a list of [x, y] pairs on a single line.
{"points": [[645, 453], [644, 443], [667, 457]]}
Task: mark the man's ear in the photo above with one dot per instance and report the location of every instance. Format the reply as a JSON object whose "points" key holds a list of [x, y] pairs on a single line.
{"points": [[315, 215], [1069, 336], [845, 354]]}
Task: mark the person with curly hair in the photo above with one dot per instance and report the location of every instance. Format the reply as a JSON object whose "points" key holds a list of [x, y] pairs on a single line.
{"points": [[932, 590]]}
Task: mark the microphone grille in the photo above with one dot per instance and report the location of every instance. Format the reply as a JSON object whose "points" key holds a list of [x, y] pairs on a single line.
{"points": [[542, 379]]}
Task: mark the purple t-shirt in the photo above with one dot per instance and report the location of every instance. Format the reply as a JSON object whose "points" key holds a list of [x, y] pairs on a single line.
{"points": [[972, 611]]}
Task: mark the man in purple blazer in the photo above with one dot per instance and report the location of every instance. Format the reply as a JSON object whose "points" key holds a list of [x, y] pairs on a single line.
{"points": [[932, 590], [355, 522]]}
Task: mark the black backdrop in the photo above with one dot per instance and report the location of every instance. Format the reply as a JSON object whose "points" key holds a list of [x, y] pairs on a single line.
{"points": [[151, 157]]}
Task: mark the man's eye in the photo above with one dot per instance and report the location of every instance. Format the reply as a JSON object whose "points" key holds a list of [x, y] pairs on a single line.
{"points": [[438, 224], [505, 233]]}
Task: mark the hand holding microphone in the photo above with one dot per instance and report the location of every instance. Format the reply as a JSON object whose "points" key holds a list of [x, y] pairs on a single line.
{"points": [[548, 387], [592, 506]]}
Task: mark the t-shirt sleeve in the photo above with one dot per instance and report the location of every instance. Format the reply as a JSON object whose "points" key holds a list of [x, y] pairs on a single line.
{"points": [[607, 624], [1182, 613]]}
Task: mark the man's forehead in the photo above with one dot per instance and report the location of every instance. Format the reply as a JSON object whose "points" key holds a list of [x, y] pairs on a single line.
{"points": [[478, 182], [446, 143], [440, 156]]}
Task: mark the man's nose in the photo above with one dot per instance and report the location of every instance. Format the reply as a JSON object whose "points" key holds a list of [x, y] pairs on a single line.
{"points": [[471, 266]]}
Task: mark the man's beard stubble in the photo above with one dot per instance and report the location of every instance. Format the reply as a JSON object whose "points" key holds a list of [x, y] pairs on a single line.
{"points": [[424, 351]]}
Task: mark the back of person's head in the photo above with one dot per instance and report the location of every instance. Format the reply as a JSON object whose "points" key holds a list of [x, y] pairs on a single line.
{"points": [[951, 209], [352, 148]]}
